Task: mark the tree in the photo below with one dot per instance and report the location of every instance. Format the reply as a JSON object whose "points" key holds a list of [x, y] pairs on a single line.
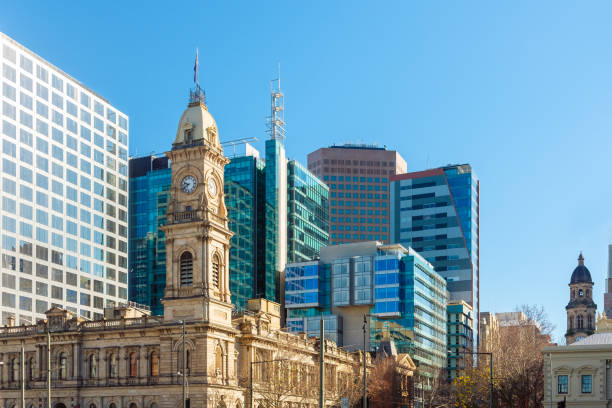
{"points": [[390, 384], [349, 386], [284, 377], [518, 361]]}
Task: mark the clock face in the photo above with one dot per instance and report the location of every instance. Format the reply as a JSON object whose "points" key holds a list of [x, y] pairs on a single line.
{"points": [[188, 184], [212, 186]]}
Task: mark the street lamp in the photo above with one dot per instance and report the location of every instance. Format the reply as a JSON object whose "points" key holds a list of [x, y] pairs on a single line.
{"points": [[490, 369], [251, 375], [365, 368]]}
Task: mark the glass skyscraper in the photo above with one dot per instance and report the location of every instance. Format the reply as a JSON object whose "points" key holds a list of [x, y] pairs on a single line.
{"points": [[150, 179], [397, 289], [437, 213], [277, 211], [64, 192]]}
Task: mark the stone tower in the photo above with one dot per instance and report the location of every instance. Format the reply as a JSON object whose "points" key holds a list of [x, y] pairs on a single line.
{"points": [[197, 233], [581, 309]]}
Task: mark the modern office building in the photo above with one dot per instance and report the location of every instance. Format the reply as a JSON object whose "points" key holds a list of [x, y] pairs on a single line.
{"points": [[278, 211], [394, 288], [358, 177], [150, 179], [437, 213], [64, 192], [460, 323]]}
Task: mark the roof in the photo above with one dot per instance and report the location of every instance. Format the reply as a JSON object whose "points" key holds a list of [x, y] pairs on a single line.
{"points": [[581, 274], [594, 339]]}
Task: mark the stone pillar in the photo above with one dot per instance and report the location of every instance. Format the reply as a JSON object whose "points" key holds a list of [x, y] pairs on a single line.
{"points": [[76, 358], [143, 373]]}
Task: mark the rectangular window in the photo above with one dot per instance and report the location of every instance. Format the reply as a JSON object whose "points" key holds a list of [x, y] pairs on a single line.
{"points": [[586, 384], [562, 384]]}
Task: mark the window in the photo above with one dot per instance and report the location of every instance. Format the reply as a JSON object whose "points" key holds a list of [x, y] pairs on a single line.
{"points": [[586, 384], [112, 366], [93, 366], [562, 384], [63, 366], [133, 365], [154, 367], [186, 269], [215, 271], [218, 360], [580, 322]]}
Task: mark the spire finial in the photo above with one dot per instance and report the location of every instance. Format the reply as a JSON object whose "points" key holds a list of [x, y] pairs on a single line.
{"points": [[580, 259]]}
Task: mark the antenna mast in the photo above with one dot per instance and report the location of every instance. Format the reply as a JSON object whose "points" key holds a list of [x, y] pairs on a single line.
{"points": [[276, 120]]}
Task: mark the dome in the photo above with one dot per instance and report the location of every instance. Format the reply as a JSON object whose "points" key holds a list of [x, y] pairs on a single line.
{"points": [[581, 274], [196, 126]]}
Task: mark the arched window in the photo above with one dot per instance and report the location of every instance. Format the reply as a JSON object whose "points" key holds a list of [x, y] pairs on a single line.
{"points": [[112, 405], [573, 294], [92, 405], [580, 293], [580, 322], [180, 360], [133, 405], [63, 366], [218, 360], [589, 321], [112, 366], [93, 366], [31, 368], [216, 266], [588, 293], [571, 322], [133, 365], [186, 266], [14, 369], [154, 365]]}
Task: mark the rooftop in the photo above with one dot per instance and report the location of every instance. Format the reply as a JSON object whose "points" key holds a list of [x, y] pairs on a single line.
{"points": [[594, 339], [364, 146]]}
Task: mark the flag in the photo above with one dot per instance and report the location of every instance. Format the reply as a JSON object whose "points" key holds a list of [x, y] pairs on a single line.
{"points": [[195, 69]]}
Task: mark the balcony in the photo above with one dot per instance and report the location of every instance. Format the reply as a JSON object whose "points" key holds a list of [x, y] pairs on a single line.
{"points": [[185, 216]]}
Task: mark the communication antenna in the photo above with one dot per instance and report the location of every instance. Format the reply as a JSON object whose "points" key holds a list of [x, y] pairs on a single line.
{"points": [[276, 120]]}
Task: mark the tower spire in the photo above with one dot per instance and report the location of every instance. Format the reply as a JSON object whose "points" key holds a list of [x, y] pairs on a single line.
{"points": [[580, 259]]}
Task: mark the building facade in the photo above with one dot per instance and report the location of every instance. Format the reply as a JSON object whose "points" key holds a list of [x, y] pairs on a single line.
{"points": [[579, 374], [460, 324], [437, 213], [278, 211], [394, 288], [358, 178], [581, 309], [64, 192], [149, 196], [199, 353]]}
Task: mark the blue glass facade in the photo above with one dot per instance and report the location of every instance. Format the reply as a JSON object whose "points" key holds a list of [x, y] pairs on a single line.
{"points": [[399, 289], [436, 212], [150, 180]]}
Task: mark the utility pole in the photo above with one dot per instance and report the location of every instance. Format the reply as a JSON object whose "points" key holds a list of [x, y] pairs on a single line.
{"points": [[23, 374], [365, 368], [322, 365], [48, 369]]}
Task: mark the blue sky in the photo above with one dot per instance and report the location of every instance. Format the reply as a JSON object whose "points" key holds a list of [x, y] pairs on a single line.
{"points": [[521, 90]]}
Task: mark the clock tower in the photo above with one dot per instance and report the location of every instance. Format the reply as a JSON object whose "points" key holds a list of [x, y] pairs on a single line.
{"points": [[197, 233]]}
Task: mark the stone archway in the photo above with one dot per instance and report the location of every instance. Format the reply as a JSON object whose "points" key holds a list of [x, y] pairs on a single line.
{"points": [[60, 405]]}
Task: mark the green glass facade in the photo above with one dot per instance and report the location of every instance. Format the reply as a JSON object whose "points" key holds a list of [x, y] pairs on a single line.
{"points": [[149, 188], [277, 211], [307, 214]]}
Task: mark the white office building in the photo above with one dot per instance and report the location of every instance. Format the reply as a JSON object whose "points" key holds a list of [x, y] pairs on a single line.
{"points": [[64, 192]]}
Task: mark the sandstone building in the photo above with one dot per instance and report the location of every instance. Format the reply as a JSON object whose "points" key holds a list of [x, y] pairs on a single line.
{"points": [[133, 360]]}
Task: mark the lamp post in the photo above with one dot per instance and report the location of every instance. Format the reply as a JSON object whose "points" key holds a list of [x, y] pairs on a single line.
{"points": [[251, 375], [490, 369], [365, 368], [184, 365]]}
